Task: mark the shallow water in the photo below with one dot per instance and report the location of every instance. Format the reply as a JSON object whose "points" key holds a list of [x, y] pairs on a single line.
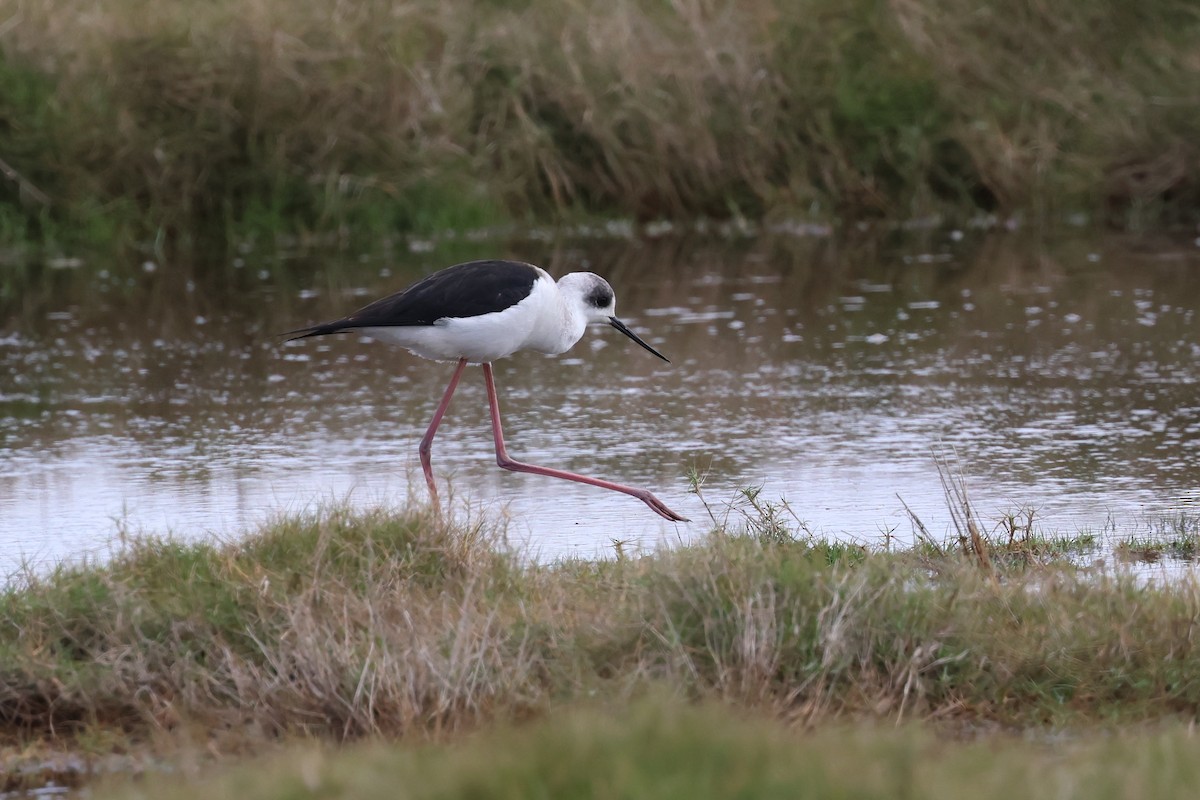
{"points": [[1058, 377]]}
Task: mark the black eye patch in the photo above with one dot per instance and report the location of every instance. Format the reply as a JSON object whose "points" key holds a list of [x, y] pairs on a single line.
{"points": [[600, 297]]}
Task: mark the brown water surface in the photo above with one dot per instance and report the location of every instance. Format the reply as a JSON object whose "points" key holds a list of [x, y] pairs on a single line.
{"points": [[1059, 377]]}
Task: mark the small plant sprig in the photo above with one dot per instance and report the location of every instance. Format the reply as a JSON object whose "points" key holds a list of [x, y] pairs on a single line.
{"points": [[768, 521]]}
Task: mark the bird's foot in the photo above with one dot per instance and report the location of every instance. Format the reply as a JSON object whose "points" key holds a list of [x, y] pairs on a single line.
{"points": [[659, 507]]}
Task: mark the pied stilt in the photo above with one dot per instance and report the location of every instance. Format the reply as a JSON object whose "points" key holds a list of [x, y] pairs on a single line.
{"points": [[477, 312]]}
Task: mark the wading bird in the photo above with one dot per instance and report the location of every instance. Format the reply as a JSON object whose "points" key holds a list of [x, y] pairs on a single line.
{"points": [[477, 312]]}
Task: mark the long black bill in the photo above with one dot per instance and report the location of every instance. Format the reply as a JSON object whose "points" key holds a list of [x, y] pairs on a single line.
{"points": [[616, 323]]}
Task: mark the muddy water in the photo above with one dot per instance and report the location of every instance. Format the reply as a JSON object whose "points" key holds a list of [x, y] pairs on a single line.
{"points": [[1061, 378]]}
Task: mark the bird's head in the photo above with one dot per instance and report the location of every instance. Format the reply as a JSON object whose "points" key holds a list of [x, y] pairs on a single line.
{"points": [[591, 295]]}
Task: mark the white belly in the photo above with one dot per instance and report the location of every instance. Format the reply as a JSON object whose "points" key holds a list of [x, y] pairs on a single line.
{"points": [[477, 339]]}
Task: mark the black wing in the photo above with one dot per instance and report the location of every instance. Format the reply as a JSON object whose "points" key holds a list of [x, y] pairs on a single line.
{"points": [[464, 290]]}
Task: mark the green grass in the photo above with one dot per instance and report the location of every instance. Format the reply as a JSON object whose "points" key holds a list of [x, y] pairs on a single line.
{"points": [[149, 123], [663, 750]]}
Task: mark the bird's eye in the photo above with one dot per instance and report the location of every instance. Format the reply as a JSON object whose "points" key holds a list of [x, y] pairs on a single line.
{"points": [[600, 298]]}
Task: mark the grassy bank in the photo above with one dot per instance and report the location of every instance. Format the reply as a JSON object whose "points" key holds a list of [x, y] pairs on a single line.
{"points": [[341, 625], [166, 123]]}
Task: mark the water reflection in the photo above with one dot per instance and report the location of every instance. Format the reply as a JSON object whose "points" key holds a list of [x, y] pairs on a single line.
{"points": [[1060, 377]]}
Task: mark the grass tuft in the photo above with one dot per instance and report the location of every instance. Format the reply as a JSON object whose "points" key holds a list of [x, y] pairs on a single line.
{"points": [[1175, 536]]}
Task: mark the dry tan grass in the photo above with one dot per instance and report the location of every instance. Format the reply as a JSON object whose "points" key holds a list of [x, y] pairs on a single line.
{"points": [[174, 119]]}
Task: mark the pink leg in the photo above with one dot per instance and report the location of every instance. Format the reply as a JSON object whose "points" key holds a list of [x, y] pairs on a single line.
{"points": [[426, 447], [504, 461]]}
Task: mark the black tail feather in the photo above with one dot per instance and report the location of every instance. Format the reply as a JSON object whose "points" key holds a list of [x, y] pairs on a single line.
{"points": [[315, 330]]}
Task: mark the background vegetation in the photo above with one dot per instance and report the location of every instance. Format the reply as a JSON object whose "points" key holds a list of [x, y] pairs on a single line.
{"points": [[169, 122]]}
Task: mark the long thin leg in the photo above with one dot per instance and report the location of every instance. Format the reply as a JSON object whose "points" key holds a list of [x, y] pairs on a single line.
{"points": [[502, 458], [426, 447]]}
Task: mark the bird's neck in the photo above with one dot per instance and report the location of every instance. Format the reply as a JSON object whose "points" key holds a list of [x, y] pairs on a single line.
{"points": [[559, 327]]}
